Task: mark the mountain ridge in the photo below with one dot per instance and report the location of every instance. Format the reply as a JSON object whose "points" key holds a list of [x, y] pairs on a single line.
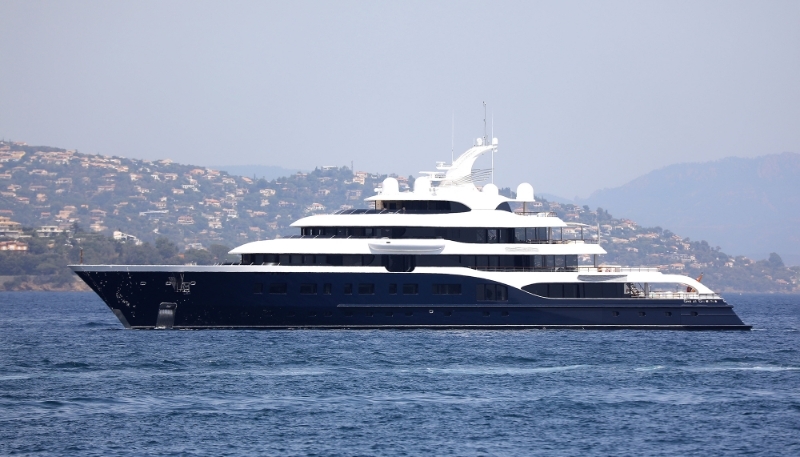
{"points": [[744, 205]]}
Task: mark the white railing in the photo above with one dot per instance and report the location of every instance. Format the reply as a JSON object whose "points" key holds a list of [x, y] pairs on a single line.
{"points": [[682, 296], [617, 269]]}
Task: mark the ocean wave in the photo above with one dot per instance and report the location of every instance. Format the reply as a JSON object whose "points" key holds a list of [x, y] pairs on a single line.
{"points": [[495, 370]]}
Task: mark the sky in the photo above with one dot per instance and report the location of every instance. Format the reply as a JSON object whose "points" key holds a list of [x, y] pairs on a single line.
{"points": [[582, 95]]}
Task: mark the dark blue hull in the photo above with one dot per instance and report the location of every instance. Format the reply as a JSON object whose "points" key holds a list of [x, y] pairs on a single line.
{"points": [[214, 299]]}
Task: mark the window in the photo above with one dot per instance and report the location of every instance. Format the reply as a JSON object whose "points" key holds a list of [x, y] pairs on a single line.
{"points": [[492, 292], [348, 289], [410, 289], [577, 290], [491, 236], [278, 288], [258, 288], [392, 289], [326, 288], [446, 289], [366, 289], [308, 289]]}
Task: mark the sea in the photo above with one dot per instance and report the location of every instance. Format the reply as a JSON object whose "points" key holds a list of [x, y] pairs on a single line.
{"points": [[74, 382]]}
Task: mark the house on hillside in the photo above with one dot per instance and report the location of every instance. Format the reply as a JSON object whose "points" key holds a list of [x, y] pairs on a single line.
{"points": [[17, 246]]}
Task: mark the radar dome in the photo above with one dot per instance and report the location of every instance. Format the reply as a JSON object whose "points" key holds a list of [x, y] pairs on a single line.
{"points": [[525, 192], [390, 186], [491, 189], [422, 185]]}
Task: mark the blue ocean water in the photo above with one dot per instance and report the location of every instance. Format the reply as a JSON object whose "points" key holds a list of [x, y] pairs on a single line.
{"points": [[74, 382]]}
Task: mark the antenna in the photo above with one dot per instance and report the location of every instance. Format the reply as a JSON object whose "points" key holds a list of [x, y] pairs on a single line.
{"points": [[492, 139], [484, 122]]}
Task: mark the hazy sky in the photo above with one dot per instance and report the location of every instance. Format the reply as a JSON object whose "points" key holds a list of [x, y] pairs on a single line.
{"points": [[584, 95]]}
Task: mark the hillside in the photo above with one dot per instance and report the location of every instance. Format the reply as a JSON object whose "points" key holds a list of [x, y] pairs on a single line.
{"points": [[194, 206], [56, 202], [746, 206]]}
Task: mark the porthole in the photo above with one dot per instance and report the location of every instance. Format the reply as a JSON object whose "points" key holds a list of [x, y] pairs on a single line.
{"points": [[694, 313], [504, 313], [642, 313], [348, 313], [668, 313], [448, 313], [615, 313], [409, 313], [430, 311], [328, 314], [389, 313], [369, 313], [486, 314]]}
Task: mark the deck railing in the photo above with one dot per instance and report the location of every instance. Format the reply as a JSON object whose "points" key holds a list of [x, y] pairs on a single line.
{"points": [[680, 296], [537, 213], [617, 269]]}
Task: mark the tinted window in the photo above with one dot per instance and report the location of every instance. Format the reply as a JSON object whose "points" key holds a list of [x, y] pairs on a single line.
{"points": [[348, 289], [277, 288], [366, 289], [446, 289], [410, 289], [492, 292], [326, 289], [308, 289], [392, 289]]}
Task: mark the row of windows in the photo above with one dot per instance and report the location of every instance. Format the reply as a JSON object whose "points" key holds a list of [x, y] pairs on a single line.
{"points": [[484, 292], [391, 313], [425, 206], [535, 262], [463, 235], [282, 288], [579, 290]]}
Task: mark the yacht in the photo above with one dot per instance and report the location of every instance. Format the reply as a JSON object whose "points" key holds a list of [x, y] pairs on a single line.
{"points": [[446, 254]]}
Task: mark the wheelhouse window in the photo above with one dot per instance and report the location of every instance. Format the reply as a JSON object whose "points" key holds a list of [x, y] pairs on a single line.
{"points": [[538, 235]]}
